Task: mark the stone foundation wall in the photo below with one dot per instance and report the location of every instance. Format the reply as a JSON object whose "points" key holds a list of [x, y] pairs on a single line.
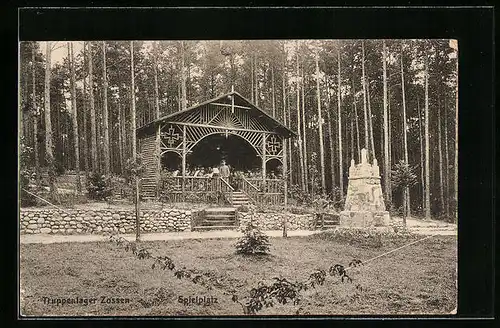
{"points": [[274, 221], [51, 221]]}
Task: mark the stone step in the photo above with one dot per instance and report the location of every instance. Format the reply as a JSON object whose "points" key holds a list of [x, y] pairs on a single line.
{"points": [[219, 210], [208, 228], [221, 223], [216, 215]]}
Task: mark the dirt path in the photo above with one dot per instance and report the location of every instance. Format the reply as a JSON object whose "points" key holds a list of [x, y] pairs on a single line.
{"points": [[429, 228], [48, 239]]}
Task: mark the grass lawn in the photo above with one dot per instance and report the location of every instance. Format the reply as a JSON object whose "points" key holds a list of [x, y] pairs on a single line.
{"points": [[419, 279]]}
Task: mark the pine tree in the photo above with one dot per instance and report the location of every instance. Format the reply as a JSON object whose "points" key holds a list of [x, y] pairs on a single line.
{"points": [[107, 159], [75, 119], [49, 155]]}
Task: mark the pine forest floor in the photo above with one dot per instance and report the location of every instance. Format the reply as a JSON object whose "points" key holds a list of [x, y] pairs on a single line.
{"points": [[419, 279]]}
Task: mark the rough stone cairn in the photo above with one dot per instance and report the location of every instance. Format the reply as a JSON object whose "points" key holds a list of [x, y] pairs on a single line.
{"points": [[364, 205]]}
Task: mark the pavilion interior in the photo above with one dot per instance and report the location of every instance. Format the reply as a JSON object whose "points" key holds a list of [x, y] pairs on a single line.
{"points": [[209, 152]]}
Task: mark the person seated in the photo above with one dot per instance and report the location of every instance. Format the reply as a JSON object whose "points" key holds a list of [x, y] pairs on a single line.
{"points": [[197, 172], [175, 173]]}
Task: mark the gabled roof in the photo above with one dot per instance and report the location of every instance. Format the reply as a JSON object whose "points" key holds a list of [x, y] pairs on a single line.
{"points": [[239, 100]]}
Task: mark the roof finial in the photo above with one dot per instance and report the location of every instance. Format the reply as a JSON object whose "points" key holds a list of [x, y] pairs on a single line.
{"points": [[232, 88]]}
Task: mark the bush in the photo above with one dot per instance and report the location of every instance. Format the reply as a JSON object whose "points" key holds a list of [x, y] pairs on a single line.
{"points": [[26, 198], [25, 174], [253, 242], [99, 186]]}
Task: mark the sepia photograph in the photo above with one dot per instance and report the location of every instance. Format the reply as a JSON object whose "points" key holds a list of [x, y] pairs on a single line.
{"points": [[195, 178]]}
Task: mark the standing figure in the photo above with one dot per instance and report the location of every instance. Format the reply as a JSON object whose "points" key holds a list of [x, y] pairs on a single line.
{"points": [[215, 172], [224, 170]]}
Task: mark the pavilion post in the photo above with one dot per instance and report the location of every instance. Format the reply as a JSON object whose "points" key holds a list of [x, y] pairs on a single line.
{"points": [[285, 172], [184, 162], [264, 161], [158, 160], [285, 188]]}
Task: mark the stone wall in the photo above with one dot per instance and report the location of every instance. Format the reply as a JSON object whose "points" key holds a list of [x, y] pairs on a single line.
{"points": [[51, 221], [274, 221]]}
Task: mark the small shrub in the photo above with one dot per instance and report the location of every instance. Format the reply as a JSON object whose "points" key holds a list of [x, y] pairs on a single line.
{"points": [[26, 198], [25, 174], [253, 242], [99, 186]]}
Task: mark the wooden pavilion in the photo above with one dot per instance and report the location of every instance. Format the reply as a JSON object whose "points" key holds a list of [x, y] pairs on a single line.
{"points": [[228, 127]]}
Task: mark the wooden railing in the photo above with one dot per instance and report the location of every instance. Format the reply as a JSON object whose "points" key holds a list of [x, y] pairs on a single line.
{"points": [[195, 189], [227, 190], [218, 190], [271, 191], [251, 190]]}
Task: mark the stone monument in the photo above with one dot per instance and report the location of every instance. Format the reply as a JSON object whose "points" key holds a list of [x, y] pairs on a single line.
{"points": [[364, 204]]}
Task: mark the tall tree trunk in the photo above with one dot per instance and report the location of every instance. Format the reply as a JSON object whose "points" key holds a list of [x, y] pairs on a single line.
{"points": [[121, 123], [389, 197], [289, 121], [179, 95], [257, 91], [183, 78], [405, 132], [320, 124], [440, 152], [301, 155], [304, 132], [98, 130], [405, 198], [358, 150], [252, 75], [133, 113], [427, 171], [75, 120], [363, 82], [35, 118], [387, 164], [22, 104], [447, 161], [107, 168], [286, 117], [155, 67], [370, 121], [84, 128], [422, 165], [330, 139], [339, 128], [93, 134], [456, 145], [49, 155], [134, 142]]}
